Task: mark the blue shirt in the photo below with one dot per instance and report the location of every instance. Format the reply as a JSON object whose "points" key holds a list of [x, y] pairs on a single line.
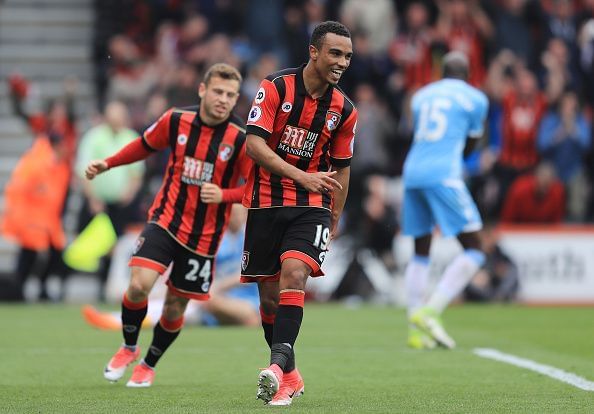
{"points": [[445, 113], [565, 151]]}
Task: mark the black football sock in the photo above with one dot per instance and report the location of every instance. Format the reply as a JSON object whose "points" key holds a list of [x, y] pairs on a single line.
{"points": [[132, 316], [267, 326], [164, 334], [286, 328]]}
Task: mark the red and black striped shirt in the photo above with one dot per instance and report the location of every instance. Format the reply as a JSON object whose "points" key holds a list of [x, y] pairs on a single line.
{"points": [[311, 134], [199, 154]]}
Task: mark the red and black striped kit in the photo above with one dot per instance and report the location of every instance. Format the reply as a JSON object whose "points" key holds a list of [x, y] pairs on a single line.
{"points": [[311, 134], [199, 154]]}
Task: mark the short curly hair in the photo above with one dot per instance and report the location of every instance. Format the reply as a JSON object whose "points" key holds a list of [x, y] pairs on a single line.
{"points": [[327, 27]]}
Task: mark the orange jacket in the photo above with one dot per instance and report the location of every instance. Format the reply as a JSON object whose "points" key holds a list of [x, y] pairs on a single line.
{"points": [[35, 197]]}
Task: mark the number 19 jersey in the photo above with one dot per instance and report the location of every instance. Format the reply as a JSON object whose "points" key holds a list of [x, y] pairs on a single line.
{"points": [[445, 113]]}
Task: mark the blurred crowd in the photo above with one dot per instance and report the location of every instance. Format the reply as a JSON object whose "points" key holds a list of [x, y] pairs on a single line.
{"points": [[534, 59]]}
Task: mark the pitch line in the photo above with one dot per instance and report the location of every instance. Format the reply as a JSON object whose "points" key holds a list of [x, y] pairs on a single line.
{"points": [[549, 371]]}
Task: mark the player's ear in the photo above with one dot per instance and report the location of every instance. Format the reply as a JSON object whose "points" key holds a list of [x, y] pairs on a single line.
{"points": [[313, 53], [201, 90]]}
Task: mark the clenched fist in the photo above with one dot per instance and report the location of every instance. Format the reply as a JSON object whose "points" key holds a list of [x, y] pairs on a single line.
{"points": [[95, 168], [211, 193]]}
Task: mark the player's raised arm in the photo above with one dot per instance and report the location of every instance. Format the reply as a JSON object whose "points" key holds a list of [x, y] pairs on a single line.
{"points": [[134, 151], [154, 138]]}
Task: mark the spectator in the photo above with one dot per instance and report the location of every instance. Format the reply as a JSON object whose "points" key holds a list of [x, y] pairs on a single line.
{"points": [[34, 198], [513, 33], [133, 76], [498, 279], [586, 59], [465, 27], [535, 198], [561, 22], [116, 191], [411, 48], [373, 128], [377, 18], [59, 120], [522, 109], [564, 139], [558, 74], [182, 90]]}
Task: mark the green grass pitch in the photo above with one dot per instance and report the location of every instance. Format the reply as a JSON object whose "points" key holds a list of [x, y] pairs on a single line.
{"points": [[352, 360]]}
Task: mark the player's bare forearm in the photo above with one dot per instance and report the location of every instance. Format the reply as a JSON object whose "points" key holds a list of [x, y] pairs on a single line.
{"points": [[340, 195], [263, 155]]}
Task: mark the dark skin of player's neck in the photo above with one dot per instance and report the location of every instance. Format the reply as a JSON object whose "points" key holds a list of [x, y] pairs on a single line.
{"points": [[314, 84]]}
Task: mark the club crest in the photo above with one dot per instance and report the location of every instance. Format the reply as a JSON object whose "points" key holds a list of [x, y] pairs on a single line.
{"points": [[332, 120], [138, 245], [245, 259], [225, 152]]}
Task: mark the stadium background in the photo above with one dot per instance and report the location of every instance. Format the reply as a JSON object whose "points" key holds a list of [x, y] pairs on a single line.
{"points": [[531, 57], [151, 54]]}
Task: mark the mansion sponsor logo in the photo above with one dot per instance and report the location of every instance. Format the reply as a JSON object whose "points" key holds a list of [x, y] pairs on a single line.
{"points": [[197, 172], [298, 141]]}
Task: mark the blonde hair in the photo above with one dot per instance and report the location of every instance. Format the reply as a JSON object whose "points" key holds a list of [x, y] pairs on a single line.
{"points": [[223, 71]]}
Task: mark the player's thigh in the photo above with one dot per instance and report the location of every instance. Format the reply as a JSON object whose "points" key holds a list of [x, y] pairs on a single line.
{"points": [[454, 209], [417, 217], [306, 238], [191, 275], [264, 233]]}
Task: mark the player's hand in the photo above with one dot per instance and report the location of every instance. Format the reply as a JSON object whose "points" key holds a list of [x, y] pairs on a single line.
{"points": [[320, 182], [211, 193], [95, 168]]}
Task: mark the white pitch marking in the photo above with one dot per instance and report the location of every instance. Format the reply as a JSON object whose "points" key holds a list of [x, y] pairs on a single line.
{"points": [[549, 371]]}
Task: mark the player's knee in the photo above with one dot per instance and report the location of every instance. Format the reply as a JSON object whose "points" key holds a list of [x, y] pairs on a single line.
{"points": [[294, 279], [137, 291], [173, 311]]}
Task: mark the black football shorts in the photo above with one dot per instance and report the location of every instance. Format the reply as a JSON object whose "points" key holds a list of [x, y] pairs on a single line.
{"points": [[191, 274], [275, 234]]}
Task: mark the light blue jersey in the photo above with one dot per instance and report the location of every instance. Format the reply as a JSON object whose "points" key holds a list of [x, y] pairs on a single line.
{"points": [[445, 113]]}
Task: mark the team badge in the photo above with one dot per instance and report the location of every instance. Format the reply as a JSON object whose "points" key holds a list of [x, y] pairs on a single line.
{"points": [[260, 96], [287, 107], [332, 120], [138, 245], [182, 139], [255, 113], [245, 259], [225, 152]]}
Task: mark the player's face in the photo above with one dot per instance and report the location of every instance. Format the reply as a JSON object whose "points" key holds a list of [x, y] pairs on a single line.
{"points": [[333, 58], [218, 98]]}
